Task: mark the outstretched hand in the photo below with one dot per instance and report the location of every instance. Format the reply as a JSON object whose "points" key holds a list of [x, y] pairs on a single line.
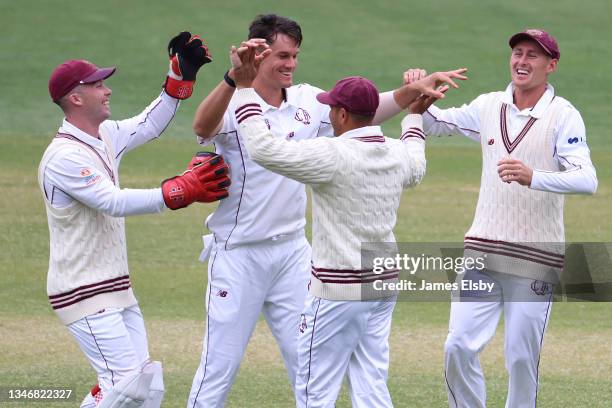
{"points": [[246, 60], [429, 85]]}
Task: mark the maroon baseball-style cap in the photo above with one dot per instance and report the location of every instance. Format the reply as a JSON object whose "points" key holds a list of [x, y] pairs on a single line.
{"points": [[355, 94], [71, 73], [546, 41]]}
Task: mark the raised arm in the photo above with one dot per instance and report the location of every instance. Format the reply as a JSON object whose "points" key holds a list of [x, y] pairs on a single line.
{"points": [[413, 140], [393, 102], [208, 119], [309, 161], [187, 53]]}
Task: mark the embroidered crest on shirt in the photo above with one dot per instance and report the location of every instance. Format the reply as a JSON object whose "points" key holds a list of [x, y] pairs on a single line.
{"points": [[302, 116]]}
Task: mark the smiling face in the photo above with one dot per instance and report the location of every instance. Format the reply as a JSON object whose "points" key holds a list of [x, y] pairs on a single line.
{"points": [[95, 100], [276, 71], [530, 65]]}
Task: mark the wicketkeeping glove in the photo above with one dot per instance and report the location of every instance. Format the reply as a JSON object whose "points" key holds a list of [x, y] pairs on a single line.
{"points": [[205, 182], [201, 157], [187, 54]]}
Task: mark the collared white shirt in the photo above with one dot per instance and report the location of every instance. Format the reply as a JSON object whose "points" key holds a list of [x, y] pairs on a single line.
{"points": [[572, 152], [261, 204], [71, 175]]}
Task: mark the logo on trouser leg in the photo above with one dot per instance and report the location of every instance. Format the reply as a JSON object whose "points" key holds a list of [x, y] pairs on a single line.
{"points": [[303, 325], [541, 288], [222, 293]]}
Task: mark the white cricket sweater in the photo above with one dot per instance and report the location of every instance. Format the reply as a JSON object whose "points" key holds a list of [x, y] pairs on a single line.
{"points": [[518, 230], [357, 180], [88, 269]]}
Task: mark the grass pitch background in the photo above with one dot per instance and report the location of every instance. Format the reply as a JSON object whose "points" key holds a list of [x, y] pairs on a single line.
{"points": [[378, 40]]}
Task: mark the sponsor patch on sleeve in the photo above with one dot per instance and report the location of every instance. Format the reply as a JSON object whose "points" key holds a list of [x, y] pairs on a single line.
{"points": [[89, 176]]}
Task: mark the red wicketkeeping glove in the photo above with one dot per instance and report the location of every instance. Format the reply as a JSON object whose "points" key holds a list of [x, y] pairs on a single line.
{"points": [[205, 182], [201, 157], [187, 54]]}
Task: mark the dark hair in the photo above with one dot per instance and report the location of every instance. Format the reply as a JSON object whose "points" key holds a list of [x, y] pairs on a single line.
{"points": [[268, 26], [362, 120]]}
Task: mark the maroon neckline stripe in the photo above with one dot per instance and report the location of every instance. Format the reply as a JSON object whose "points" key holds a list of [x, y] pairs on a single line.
{"points": [[510, 146], [369, 139]]}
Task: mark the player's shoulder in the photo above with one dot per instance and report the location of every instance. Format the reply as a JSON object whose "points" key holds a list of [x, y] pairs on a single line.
{"points": [[564, 103], [304, 94], [63, 152], [491, 96]]}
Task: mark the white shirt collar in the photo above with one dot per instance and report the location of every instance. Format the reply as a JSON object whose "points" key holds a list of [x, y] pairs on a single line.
{"points": [[362, 131], [290, 100], [69, 128], [540, 107]]}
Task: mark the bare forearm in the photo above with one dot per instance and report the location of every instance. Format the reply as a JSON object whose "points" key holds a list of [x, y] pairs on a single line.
{"points": [[208, 118], [405, 95]]}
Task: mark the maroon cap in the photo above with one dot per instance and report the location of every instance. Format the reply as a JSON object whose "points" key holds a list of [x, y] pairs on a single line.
{"points": [[546, 41], [71, 73], [355, 94]]}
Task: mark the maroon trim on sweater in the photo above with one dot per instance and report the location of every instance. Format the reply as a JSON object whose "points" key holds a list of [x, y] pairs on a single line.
{"points": [[370, 139], [511, 244], [59, 295], [114, 288], [379, 277], [510, 146], [413, 132]]}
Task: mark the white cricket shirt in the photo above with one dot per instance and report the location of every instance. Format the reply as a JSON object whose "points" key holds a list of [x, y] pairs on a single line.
{"points": [[576, 175], [71, 175], [263, 204]]}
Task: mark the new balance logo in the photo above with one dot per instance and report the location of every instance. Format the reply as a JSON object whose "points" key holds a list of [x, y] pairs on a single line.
{"points": [[303, 325], [222, 293]]}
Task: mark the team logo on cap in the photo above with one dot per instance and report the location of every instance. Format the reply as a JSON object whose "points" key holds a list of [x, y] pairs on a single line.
{"points": [[302, 116], [535, 32]]}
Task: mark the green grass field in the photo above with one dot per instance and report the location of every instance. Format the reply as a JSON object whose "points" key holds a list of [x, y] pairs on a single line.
{"points": [[378, 40]]}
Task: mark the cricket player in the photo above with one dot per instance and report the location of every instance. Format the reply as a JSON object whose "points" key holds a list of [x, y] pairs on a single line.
{"points": [[259, 258], [534, 150], [357, 180], [88, 281]]}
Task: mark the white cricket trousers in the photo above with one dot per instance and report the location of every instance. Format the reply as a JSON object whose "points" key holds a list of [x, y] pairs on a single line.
{"points": [[270, 277], [526, 305], [344, 338], [114, 341]]}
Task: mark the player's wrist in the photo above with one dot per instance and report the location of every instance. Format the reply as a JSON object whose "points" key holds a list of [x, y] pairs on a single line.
{"points": [[228, 78]]}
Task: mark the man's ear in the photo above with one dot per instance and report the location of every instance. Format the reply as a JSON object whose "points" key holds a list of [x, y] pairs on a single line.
{"points": [[344, 115], [75, 98], [552, 65]]}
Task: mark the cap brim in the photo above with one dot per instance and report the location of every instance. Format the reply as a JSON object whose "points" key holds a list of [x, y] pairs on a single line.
{"points": [[326, 99], [100, 73], [518, 37]]}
